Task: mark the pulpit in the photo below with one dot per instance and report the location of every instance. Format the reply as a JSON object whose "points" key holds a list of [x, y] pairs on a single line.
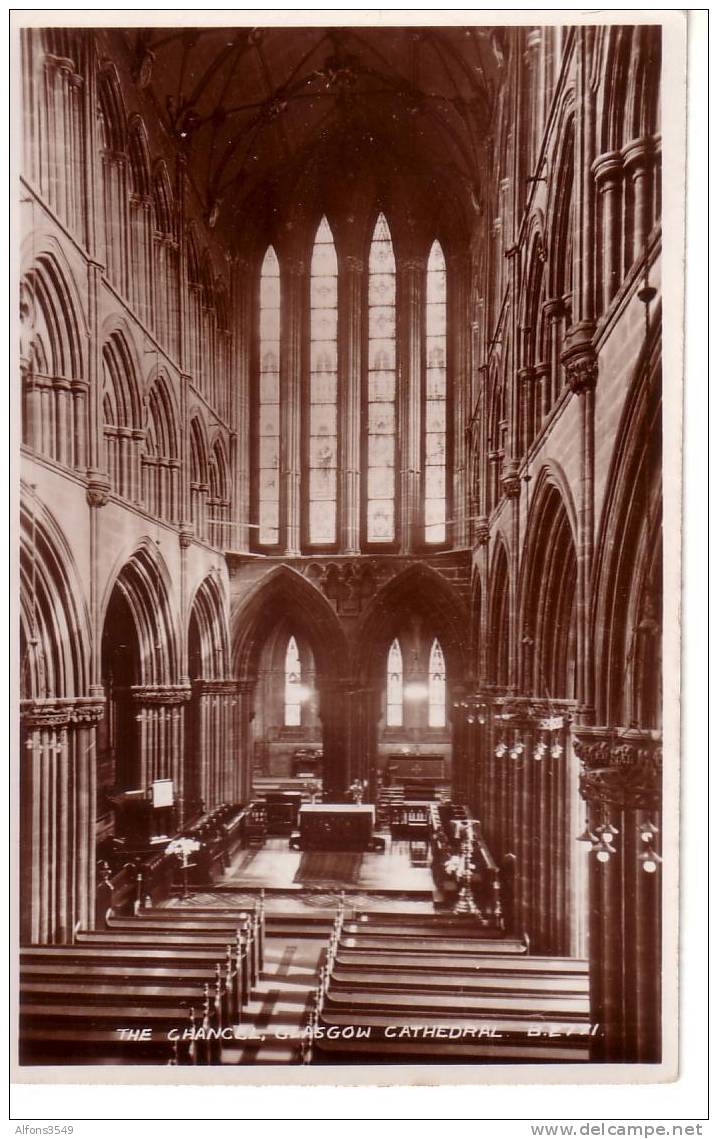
{"points": [[336, 826]]}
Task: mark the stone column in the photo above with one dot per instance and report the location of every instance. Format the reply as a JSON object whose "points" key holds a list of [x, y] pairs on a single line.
{"points": [[555, 311], [581, 364], [161, 734], [364, 713], [57, 826], [334, 712], [621, 784], [608, 172], [242, 759], [410, 294], [462, 766], [637, 162], [511, 484]]}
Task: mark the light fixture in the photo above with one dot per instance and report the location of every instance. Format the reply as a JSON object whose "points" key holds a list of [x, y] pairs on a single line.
{"points": [[649, 858], [587, 835]]}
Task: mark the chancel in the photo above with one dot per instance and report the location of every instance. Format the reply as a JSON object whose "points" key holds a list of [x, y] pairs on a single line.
{"points": [[341, 556]]}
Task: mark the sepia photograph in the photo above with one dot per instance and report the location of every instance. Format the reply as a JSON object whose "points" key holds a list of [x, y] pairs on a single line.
{"points": [[343, 595]]}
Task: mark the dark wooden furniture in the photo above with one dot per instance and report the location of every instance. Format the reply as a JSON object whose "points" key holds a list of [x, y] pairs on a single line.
{"points": [[336, 826], [410, 820]]}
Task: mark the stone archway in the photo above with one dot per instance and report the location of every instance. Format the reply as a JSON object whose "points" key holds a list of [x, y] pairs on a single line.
{"points": [[285, 596]]}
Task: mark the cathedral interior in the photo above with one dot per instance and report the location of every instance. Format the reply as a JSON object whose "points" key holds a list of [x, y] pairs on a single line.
{"points": [[341, 546]]}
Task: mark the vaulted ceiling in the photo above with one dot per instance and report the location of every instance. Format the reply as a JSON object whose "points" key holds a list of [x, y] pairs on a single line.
{"points": [[259, 109]]}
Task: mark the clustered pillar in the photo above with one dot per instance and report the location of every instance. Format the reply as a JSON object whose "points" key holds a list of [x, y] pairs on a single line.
{"points": [[57, 827]]}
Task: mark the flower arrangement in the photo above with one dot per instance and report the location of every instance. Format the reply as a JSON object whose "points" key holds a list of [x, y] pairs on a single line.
{"points": [[454, 866], [183, 847]]}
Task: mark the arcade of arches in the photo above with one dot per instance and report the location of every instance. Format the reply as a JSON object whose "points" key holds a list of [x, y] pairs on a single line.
{"points": [[341, 396]]}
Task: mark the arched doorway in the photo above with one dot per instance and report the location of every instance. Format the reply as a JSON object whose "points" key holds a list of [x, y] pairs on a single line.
{"points": [[412, 663], [284, 607], [141, 737]]}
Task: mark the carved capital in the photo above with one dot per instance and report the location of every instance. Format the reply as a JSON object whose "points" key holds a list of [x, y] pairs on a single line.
{"points": [[215, 687], [621, 769], [510, 480], [98, 488], [483, 531], [186, 535], [160, 694], [579, 358], [38, 714]]}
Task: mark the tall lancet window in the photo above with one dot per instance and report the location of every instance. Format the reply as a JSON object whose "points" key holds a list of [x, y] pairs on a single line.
{"points": [[381, 389], [437, 687], [268, 415], [292, 686], [435, 400], [322, 530], [394, 687]]}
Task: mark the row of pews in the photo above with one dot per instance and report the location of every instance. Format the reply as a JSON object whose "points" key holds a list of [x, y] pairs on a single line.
{"points": [[167, 986], [404, 988]]}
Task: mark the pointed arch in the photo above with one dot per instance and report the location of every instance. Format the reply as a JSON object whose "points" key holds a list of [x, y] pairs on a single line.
{"points": [[292, 685], [139, 158], [219, 501], [52, 363], [112, 110], [437, 686], [626, 610], [160, 460], [285, 594], [210, 636], [499, 602], [199, 474], [266, 410], [381, 393], [422, 591], [436, 405], [323, 438], [163, 200], [548, 591], [55, 635], [394, 685], [145, 585], [560, 234], [122, 413]]}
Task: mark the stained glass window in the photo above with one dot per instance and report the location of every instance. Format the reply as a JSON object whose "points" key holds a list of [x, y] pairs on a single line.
{"points": [[381, 388], [435, 399], [394, 687], [323, 390], [292, 686], [268, 417], [437, 687]]}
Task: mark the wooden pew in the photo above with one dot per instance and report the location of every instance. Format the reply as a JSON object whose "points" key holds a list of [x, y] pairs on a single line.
{"points": [[564, 1006], [177, 940], [130, 959], [139, 975], [448, 963], [464, 983], [70, 1044], [72, 1022], [245, 932], [421, 944]]}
